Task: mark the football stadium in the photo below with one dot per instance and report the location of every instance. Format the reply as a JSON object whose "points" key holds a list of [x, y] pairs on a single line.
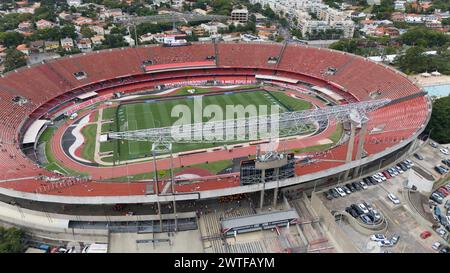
{"points": [[85, 135]]}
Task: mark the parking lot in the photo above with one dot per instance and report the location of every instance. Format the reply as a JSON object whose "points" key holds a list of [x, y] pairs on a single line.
{"points": [[401, 218]]}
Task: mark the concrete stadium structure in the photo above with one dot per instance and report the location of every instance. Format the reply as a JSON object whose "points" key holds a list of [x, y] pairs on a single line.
{"points": [[45, 90]]}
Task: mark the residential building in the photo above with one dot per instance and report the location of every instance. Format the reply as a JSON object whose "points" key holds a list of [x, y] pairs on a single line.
{"points": [[85, 45], [51, 45], [23, 48], [67, 44], [97, 39], [75, 3], [239, 15], [42, 24], [130, 41], [37, 46]]}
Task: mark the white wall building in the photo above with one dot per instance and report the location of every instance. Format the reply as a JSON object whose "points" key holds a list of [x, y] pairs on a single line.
{"points": [[239, 15], [75, 3]]}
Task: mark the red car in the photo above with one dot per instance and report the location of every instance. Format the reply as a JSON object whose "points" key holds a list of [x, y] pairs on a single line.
{"points": [[444, 191], [425, 234], [386, 174]]}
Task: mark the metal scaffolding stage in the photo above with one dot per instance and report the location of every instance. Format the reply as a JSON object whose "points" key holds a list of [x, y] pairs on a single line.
{"points": [[274, 125]]}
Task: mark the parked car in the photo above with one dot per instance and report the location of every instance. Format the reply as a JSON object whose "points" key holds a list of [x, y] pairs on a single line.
{"points": [[436, 198], [368, 181], [445, 249], [347, 190], [433, 144], [409, 162], [357, 186], [446, 162], [363, 185], [366, 219], [363, 208], [350, 187], [385, 243], [378, 237], [357, 209], [351, 211], [399, 170], [367, 205], [393, 198], [444, 151], [436, 246], [444, 191], [439, 170], [327, 195], [425, 234], [386, 174], [403, 166], [395, 239], [447, 205], [440, 194], [340, 191], [418, 156], [333, 193], [375, 214], [376, 178], [380, 175]]}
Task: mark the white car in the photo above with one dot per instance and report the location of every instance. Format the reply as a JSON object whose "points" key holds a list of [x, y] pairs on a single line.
{"points": [[363, 185], [444, 151], [378, 179], [393, 198], [433, 144], [363, 208], [409, 162], [441, 232], [340, 191], [378, 237], [436, 246], [385, 243], [399, 170], [376, 215], [380, 175]]}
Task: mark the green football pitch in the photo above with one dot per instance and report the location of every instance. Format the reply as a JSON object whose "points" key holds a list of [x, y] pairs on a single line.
{"points": [[157, 113]]}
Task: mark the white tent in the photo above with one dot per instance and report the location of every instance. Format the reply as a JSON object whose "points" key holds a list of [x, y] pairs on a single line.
{"points": [[425, 74], [435, 73]]}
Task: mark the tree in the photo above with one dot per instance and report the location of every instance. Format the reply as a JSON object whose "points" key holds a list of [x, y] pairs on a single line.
{"points": [[413, 60], [424, 37], [347, 45], [440, 123], [384, 10], [11, 39], [86, 32], [114, 40], [446, 21], [11, 240], [68, 31]]}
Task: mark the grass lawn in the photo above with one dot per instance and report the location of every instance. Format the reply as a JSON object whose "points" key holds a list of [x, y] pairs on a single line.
{"points": [[213, 167], [151, 114], [335, 137], [183, 91], [89, 132], [109, 113], [53, 164], [291, 103]]}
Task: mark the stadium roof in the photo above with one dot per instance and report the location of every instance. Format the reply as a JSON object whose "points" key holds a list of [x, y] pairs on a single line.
{"points": [[33, 131], [87, 95], [328, 92]]}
